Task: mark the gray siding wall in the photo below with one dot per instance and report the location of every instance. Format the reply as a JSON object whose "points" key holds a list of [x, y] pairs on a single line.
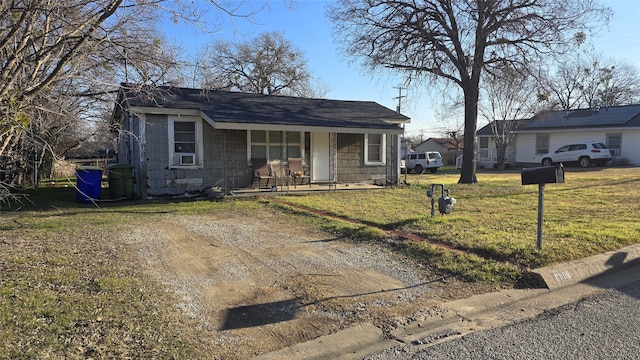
{"points": [[351, 167], [129, 147], [224, 161], [225, 156], [136, 150]]}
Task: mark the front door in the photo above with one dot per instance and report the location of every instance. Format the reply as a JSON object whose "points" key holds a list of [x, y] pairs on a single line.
{"points": [[320, 156]]}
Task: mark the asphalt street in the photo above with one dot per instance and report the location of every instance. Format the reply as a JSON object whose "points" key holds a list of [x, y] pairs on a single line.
{"points": [[602, 326]]}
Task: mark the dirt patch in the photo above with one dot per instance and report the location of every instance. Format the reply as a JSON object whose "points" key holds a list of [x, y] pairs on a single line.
{"points": [[263, 283]]}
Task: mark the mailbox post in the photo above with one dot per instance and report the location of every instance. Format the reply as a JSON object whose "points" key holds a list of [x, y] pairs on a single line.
{"points": [[541, 176]]}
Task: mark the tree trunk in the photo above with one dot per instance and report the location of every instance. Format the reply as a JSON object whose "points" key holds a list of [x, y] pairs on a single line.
{"points": [[471, 95]]}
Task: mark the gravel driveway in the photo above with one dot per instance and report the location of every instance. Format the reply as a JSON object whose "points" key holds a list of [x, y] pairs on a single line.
{"points": [[262, 283]]}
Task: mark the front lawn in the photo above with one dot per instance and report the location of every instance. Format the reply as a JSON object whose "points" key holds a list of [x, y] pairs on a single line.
{"points": [[495, 221], [69, 286]]}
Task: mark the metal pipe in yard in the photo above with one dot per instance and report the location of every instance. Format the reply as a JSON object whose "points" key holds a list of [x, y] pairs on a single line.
{"points": [[540, 214]]}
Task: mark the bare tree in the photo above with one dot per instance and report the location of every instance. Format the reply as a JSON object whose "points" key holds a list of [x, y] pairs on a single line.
{"points": [[591, 81], [609, 83], [61, 57], [563, 89], [268, 64], [456, 40], [449, 111], [510, 96], [62, 60]]}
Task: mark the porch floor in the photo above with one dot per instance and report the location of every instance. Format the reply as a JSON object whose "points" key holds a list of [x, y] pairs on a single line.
{"points": [[302, 189]]}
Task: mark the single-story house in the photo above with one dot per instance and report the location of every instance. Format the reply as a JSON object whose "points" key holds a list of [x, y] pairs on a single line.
{"points": [[405, 147], [487, 156], [449, 148], [617, 126], [183, 140]]}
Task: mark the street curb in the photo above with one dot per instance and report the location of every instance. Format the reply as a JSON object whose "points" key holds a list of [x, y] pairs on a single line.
{"points": [[573, 272], [569, 282], [352, 343]]}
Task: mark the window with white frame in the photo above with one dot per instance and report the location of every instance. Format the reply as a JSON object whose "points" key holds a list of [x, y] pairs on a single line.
{"points": [[185, 141], [614, 143], [542, 143], [483, 145], [374, 145], [275, 145]]}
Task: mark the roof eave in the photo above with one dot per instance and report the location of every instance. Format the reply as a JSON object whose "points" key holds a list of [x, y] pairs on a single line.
{"points": [[398, 122], [255, 126], [586, 128], [305, 128]]}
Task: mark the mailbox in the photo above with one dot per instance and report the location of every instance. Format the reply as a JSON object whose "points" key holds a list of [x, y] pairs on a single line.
{"points": [[543, 175]]}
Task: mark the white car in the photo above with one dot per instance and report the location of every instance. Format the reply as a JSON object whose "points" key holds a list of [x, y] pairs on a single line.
{"points": [[419, 162], [583, 153]]}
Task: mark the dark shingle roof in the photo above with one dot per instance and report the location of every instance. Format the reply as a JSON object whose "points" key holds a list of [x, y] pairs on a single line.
{"points": [[614, 116], [513, 124], [245, 108], [448, 143]]}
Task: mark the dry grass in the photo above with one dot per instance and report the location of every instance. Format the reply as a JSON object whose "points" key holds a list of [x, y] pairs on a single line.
{"points": [[71, 289], [495, 220]]}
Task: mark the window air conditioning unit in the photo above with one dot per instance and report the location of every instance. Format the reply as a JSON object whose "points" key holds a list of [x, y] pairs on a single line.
{"points": [[614, 152], [187, 159]]}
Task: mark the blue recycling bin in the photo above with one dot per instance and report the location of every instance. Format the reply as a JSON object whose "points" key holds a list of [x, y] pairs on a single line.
{"points": [[88, 183]]}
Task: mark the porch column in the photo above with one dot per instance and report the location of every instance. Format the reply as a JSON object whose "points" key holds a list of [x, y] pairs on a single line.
{"points": [[333, 160]]}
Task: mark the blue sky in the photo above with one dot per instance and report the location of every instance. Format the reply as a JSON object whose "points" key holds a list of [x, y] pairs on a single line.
{"points": [[307, 28]]}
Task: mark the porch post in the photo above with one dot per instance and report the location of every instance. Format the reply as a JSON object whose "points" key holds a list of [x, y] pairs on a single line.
{"points": [[333, 160]]}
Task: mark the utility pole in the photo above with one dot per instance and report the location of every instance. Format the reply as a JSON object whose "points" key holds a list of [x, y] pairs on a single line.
{"points": [[406, 151], [399, 97]]}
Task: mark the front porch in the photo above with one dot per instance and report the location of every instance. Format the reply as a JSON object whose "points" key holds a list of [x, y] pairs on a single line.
{"points": [[284, 189]]}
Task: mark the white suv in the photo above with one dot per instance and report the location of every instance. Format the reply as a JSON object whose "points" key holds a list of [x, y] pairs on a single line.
{"points": [[584, 153], [419, 162]]}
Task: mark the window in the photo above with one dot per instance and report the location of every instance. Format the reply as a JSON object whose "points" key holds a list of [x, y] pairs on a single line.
{"points": [[374, 145], [185, 141], [542, 143], [614, 143], [275, 145], [483, 152], [293, 144]]}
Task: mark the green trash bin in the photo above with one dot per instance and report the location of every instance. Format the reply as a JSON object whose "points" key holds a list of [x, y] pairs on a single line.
{"points": [[121, 178]]}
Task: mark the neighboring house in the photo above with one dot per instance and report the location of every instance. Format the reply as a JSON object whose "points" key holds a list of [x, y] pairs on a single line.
{"points": [[405, 147], [449, 148], [487, 155], [618, 127], [187, 140]]}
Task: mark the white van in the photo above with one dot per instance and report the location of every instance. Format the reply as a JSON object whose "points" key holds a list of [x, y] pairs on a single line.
{"points": [[419, 162]]}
